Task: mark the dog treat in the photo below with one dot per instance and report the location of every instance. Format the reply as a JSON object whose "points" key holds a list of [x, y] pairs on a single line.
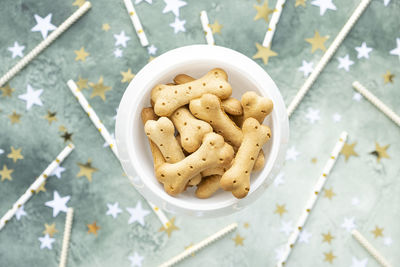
{"points": [[255, 106], [231, 105], [169, 98], [213, 152], [197, 179], [215, 170], [260, 162], [208, 186], [237, 177], [191, 130], [158, 158], [208, 108]]}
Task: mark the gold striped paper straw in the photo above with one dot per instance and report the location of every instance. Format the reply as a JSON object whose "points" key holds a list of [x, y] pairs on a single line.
{"points": [[327, 56], [136, 23], [375, 253], [36, 184], [200, 245], [313, 198], [67, 235], [269, 35], [45, 43], [376, 102], [107, 137], [206, 28]]}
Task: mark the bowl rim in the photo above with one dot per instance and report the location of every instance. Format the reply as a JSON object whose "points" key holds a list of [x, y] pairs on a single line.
{"points": [[163, 64]]}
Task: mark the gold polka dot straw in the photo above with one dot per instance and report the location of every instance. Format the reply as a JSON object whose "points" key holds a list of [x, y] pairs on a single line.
{"points": [[206, 28], [107, 137], [327, 56], [313, 198], [136, 23], [273, 22], [45, 43], [36, 184]]}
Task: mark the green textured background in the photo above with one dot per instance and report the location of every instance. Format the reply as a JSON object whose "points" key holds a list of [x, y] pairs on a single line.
{"points": [[375, 184]]}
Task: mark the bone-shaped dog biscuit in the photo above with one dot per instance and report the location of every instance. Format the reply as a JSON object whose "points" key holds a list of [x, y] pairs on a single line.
{"points": [[213, 152], [208, 186], [255, 106], [208, 108], [260, 161], [191, 130], [231, 105], [237, 178], [169, 98]]}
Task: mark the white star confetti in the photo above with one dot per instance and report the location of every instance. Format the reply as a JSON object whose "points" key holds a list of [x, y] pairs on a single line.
{"points": [[357, 97], [312, 115], [279, 179], [345, 62], [337, 117], [1, 151], [136, 260], [174, 6], [355, 201], [396, 51], [16, 50], [304, 236], [323, 5], [117, 53], [363, 50], [358, 263], [286, 227], [43, 25], [137, 214], [31, 97], [152, 50], [113, 210], [348, 224], [20, 213], [306, 68], [279, 253], [292, 154], [57, 172], [178, 25], [121, 39], [46, 242], [139, 1], [386, 2], [58, 203], [387, 241]]}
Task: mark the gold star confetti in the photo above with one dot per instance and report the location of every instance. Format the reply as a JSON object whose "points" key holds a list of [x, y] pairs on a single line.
{"points": [[50, 229], [189, 246], [151, 58], [127, 76], [14, 117], [264, 53], [377, 232], [6, 173], [82, 83], [105, 27], [348, 150], [15, 154], [41, 188], [246, 225], [317, 42], [388, 77], [78, 3], [329, 257], [93, 228], [300, 3], [327, 237], [170, 227], [81, 54], [66, 136], [314, 160], [263, 11], [99, 89], [6, 91], [380, 152], [62, 128], [216, 27], [51, 116], [86, 170], [329, 193], [238, 240], [280, 209]]}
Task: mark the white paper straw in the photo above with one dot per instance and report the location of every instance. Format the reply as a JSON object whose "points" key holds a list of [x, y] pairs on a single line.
{"points": [[313, 198], [378, 103], [327, 56], [269, 35], [46, 42], [200, 245], [107, 137], [375, 253], [36, 184], [206, 28], [67, 234], [136, 23]]}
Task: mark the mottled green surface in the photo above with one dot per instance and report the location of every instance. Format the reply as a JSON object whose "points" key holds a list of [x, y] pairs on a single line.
{"points": [[374, 184]]}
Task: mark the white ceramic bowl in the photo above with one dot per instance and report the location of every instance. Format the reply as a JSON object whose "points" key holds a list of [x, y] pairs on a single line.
{"points": [[196, 60]]}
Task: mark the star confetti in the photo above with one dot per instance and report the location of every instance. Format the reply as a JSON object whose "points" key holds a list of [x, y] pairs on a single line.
{"points": [[151, 50], [118, 53], [121, 39], [15, 154], [348, 224], [216, 27], [16, 50], [306, 68], [20, 213], [58, 203], [264, 53], [31, 97], [86, 170], [292, 154], [6, 91], [323, 5], [51, 116], [317, 42], [312, 115], [380, 152], [43, 25], [304, 236], [329, 193], [136, 260], [5, 173], [78, 3], [280, 209], [238, 240], [263, 11], [46, 242], [286, 227], [105, 27], [57, 172], [348, 150], [388, 77], [363, 50], [113, 210], [300, 3], [345, 62], [99, 89], [14, 117], [137, 214], [50, 229], [41, 188], [81, 54], [67, 136], [127, 76], [358, 263], [93, 228], [173, 6], [170, 227], [178, 25], [327, 238], [377, 232], [190, 246], [82, 83], [329, 257], [396, 51]]}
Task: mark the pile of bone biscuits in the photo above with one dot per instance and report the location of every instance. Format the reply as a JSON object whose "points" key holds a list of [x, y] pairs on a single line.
{"points": [[200, 136]]}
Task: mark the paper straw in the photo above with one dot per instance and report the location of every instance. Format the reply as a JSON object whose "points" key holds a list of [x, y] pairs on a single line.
{"points": [[36, 184], [67, 234], [379, 104], [364, 242], [46, 42], [273, 22], [327, 56], [206, 28], [107, 137], [313, 198], [200, 245], [136, 23]]}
